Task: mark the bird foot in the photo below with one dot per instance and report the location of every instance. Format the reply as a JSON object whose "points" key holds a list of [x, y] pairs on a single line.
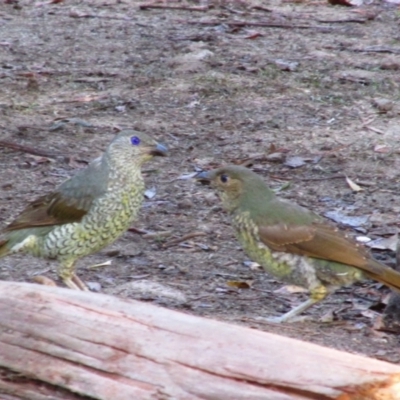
{"points": [[275, 320], [293, 315], [74, 282], [283, 318]]}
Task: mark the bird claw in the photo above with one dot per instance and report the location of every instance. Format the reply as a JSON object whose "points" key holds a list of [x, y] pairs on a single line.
{"points": [[275, 320], [74, 282]]}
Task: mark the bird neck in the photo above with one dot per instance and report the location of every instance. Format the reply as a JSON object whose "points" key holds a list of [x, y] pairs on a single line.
{"points": [[254, 199], [116, 158], [123, 167]]}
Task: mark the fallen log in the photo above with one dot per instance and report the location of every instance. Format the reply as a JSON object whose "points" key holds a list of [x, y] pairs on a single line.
{"points": [[63, 344]]}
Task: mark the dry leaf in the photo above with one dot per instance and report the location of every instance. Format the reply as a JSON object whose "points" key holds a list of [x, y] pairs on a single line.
{"points": [[295, 162], [382, 148], [369, 314], [275, 157], [389, 243], [43, 280], [150, 193], [346, 3], [253, 35], [285, 65], [329, 316], [353, 186], [252, 265], [184, 177], [288, 289], [383, 105], [272, 148], [88, 98], [103, 264], [340, 218], [94, 286], [240, 284], [147, 289]]}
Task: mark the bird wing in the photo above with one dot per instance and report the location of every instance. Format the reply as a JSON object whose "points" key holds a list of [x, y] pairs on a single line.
{"points": [[317, 240], [305, 233], [69, 203]]}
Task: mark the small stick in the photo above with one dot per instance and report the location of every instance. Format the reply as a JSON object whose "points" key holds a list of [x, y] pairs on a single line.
{"points": [[368, 121], [343, 21], [184, 238], [376, 130], [262, 24], [377, 49], [233, 11], [27, 149], [168, 7], [74, 14], [138, 231], [341, 176], [260, 8], [157, 235]]}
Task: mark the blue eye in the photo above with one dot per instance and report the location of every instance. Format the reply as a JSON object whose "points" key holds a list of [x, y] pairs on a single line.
{"points": [[135, 140]]}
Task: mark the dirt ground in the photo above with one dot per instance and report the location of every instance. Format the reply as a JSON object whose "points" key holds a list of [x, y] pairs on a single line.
{"points": [[306, 92]]}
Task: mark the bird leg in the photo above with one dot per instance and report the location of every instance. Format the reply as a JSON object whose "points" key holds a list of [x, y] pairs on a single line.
{"points": [[293, 312], [67, 274], [75, 283], [317, 294], [81, 285]]}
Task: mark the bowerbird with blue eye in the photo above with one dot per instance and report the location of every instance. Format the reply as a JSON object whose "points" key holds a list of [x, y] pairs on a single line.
{"points": [[88, 211]]}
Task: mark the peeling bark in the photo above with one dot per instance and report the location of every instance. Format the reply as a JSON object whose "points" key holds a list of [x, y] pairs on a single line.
{"points": [[63, 344]]}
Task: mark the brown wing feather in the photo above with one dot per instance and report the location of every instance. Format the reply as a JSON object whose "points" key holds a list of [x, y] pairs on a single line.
{"points": [[69, 203], [48, 210], [324, 242], [318, 240], [3, 248]]}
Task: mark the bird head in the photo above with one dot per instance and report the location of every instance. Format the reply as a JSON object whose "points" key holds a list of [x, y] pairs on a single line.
{"points": [[236, 186], [130, 144]]}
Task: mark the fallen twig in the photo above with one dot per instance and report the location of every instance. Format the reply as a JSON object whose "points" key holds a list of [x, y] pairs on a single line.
{"points": [[157, 235], [361, 20], [367, 121], [169, 7], [377, 49], [256, 23], [191, 235], [324, 178], [138, 231], [29, 150], [365, 125], [233, 11], [343, 21], [376, 130], [76, 14], [261, 8]]}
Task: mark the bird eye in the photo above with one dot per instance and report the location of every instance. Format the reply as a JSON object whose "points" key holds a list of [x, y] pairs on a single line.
{"points": [[224, 178], [135, 140]]}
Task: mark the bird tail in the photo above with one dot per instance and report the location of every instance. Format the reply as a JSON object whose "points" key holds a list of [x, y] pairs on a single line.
{"points": [[4, 250], [380, 273]]}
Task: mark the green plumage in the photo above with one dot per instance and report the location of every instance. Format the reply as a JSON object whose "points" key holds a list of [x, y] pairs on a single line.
{"points": [[291, 242], [88, 211]]}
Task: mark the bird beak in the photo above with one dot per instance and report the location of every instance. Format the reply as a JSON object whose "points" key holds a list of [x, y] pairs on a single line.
{"points": [[204, 177], [159, 150]]}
